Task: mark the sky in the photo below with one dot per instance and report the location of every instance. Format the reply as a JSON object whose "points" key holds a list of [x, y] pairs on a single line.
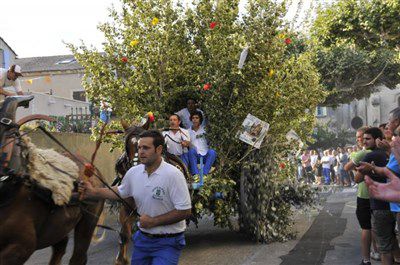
{"points": [[39, 27]]}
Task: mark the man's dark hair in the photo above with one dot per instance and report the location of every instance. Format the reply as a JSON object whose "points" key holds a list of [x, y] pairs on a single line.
{"points": [[382, 126], [179, 118], [158, 138], [195, 100], [375, 132], [198, 113]]}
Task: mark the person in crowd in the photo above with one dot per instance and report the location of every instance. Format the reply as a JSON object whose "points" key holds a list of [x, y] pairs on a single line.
{"points": [[388, 133], [382, 128], [306, 165], [363, 209], [199, 146], [343, 159], [350, 172], [105, 111], [185, 113], [383, 220], [162, 199], [332, 156], [315, 165], [177, 139], [9, 78], [326, 167]]}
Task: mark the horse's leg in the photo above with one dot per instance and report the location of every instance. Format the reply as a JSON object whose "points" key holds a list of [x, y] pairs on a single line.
{"points": [[125, 234], [58, 251], [83, 235], [16, 253]]}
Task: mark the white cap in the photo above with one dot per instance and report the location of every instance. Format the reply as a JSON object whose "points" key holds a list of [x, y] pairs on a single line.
{"points": [[17, 69]]}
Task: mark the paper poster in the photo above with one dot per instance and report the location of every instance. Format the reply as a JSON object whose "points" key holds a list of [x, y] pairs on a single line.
{"points": [[292, 136], [253, 131]]}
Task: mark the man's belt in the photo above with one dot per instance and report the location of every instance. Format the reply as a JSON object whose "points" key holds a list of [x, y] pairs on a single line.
{"points": [[160, 235]]}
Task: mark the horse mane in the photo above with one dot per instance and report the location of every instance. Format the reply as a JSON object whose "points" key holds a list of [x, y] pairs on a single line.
{"points": [[52, 170]]}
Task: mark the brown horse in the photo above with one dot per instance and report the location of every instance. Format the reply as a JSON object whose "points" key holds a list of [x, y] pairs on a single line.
{"points": [[29, 218], [130, 158]]}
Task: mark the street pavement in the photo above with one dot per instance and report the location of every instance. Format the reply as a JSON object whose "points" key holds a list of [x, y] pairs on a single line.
{"points": [[329, 236]]}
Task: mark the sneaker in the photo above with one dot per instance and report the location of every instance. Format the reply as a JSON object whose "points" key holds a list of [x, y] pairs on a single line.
{"points": [[365, 262], [375, 255]]}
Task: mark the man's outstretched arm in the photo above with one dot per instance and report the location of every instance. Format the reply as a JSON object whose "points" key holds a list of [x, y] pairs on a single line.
{"points": [[385, 191]]}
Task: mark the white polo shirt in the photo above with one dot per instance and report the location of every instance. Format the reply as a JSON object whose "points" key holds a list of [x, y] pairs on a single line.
{"points": [[199, 141], [184, 114], [174, 146], [161, 192]]}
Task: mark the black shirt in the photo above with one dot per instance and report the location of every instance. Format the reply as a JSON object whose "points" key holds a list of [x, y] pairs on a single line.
{"points": [[380, 158]]}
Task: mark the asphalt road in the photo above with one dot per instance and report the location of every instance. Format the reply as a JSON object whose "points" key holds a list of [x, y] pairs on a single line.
{"points": [[330, 236]]}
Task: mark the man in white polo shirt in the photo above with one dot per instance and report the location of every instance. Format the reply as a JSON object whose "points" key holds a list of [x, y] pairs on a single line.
{"points": [[162, 199], [177, 139], [8, 79], [199, 146]]}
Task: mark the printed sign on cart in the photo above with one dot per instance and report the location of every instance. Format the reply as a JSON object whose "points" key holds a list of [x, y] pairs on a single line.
{"points": [[253, 131]]}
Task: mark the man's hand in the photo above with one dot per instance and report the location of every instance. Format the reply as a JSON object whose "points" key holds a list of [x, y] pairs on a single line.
{"points": [[146, 221], [86, 190], [385, 191], [185, 143], [365, 168], [383, 144]]}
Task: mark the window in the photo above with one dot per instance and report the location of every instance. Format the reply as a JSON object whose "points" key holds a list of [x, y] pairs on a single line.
{"points": [[79, 95], [67, 61], [320, 111]]}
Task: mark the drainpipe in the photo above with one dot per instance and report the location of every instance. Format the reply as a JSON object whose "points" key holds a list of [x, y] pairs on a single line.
{"points": [[366, 111]]}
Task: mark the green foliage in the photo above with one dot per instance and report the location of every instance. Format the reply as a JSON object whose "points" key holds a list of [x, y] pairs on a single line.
{"points": [[207, 203], [356, 44], [149, 67], [369, 24], [325, 138]]}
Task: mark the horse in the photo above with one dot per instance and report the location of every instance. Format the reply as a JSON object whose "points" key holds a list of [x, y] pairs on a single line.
{"points": [[29, 218], [129, 158]]}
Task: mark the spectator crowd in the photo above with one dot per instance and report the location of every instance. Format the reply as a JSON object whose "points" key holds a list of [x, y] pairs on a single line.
{"points": [[373, 166]]}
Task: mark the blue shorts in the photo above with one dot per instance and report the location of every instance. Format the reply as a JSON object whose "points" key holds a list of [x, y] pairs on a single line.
{"points": [[156, 251]]}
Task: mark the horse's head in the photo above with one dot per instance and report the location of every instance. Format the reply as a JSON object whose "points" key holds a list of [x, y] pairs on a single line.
{"points": [[131, 156], [9, 132]]}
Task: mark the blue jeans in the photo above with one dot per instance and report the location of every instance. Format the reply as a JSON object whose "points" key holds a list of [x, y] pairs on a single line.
{"points": [[156, 251], [327, 174], [208, 161], [185, 159]]}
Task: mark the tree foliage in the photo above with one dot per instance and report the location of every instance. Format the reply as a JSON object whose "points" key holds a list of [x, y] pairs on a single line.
{"points": [[158, 50], [324, 138], [357, 44]]}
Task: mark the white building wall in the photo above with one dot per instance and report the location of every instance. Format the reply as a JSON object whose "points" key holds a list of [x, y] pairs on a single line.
{"points": [[373, 110], [7, 56], [61, 84], [53, 106]]}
